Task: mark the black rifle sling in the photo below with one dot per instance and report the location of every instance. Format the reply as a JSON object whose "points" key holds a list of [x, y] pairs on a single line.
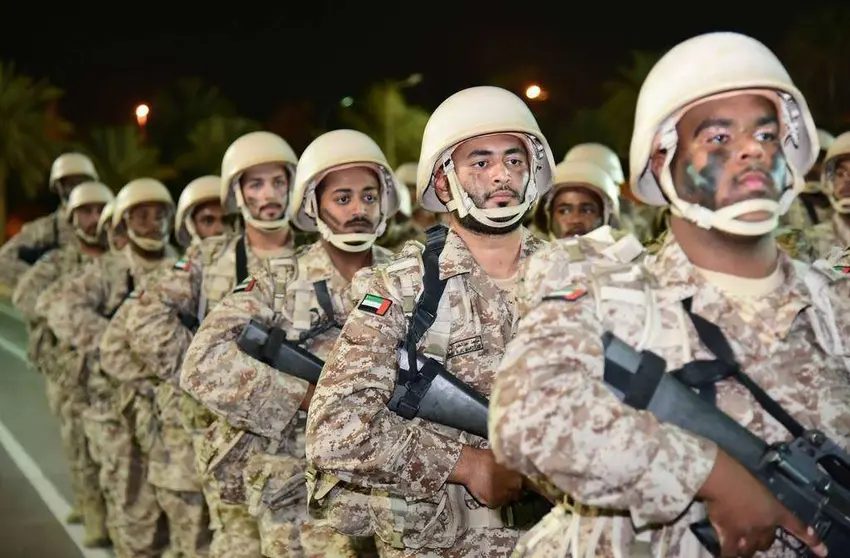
{"points": [[241, 261], [424, 314], [716, 342]]}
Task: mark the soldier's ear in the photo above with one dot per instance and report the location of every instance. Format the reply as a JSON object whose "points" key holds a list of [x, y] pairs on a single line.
{"points": [[441, 185]]}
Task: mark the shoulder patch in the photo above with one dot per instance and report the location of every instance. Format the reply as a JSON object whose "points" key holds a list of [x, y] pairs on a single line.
{"points": [[375, 304], [183, 264], [570, 294], [841, 269], [245, 286]]}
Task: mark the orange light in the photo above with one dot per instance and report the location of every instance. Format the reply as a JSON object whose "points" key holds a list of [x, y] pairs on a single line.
{"points": [[142, 112]]}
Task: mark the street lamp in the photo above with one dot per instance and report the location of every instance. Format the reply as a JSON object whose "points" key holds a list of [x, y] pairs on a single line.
{"points": [[142, 112], [389, 131], [533, 92]]}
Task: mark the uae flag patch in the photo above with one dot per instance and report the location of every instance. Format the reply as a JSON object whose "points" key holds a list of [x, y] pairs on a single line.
{"points": [[182, 264], [244, 286], [375, 305], [841, 269], [570, 294]]}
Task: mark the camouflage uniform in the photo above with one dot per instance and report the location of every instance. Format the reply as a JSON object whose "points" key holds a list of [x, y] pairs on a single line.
{"points": [[36, 234], [66, 392], [201, 278], [830, 237], [797, 216], [552, 416], [79, 314], [399, 233], [256, 450], [355, 437]]}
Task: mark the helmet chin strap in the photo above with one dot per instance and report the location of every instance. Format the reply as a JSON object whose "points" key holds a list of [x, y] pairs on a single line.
{"points": [[146, 244], [351, 242], [498, 217], [269, 226], [90, 239], [727, 218]]}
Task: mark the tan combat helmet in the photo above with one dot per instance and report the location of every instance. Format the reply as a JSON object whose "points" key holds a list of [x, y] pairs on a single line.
{"points": [[105, 218], [336, 150], [88, 193], [201, 190], [825, 139], [475, 112], [839, 148], [704, 68], [255, 148], [600, 155], [406, 176], [137, 192], [71, 164], [584, 174]]}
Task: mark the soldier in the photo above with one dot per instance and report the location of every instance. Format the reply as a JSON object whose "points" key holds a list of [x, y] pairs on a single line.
{"points": [[48, 232], [345, 190], [166, 450], [722, 133], [582, 199], [80, 314], [106, 233], [199, 212], [437, 490], [812, 206], [257, 172], [66, 390], [832, 237]]}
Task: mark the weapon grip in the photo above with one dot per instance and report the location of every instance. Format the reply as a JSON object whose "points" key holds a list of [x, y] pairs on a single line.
{"points": [[707, 536]]}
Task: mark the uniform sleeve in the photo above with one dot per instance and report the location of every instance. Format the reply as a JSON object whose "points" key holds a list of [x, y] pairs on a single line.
{"points": [[245, 392], [35, 281], [160, 338], [37, 233], [551, 414], [116, 358], [72, 308], [350, 431]]}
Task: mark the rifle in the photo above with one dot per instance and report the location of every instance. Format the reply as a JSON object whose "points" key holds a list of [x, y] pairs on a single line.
{"points": [[810, 475], [442, 398], [31, 254]]}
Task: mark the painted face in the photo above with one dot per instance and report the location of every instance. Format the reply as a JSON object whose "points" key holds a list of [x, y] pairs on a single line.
{"points": [[208, 219], [729, 151], [265, 189], [349, 200]]}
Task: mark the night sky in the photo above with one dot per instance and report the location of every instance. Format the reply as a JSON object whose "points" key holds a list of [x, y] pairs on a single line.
{"points": [[108, 61]]}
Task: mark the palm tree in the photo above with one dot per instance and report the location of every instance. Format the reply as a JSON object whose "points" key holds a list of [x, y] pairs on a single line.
{"points": [[121, 156], [177, 110], [30, 134], [208, 141], [618, 111], [384, 115]]}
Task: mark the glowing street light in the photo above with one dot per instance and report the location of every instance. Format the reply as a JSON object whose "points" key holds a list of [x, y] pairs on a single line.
{"points": [[533, 92], [346, 102], [142, 112]]}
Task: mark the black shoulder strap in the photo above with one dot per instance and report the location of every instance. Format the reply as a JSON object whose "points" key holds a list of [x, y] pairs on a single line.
{"points": [[241, 260], [323, 297], [425, 312], [810, 209], [716, 342], [131, 286]]}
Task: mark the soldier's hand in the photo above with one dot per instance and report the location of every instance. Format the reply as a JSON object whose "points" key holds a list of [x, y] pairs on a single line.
{"points": [[745, 514], [489, 483]]}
